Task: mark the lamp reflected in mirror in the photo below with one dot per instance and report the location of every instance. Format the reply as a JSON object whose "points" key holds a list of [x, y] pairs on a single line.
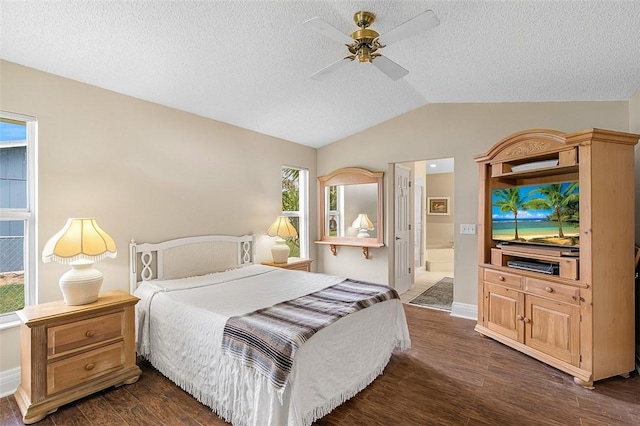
{"points": [[363, 224]]}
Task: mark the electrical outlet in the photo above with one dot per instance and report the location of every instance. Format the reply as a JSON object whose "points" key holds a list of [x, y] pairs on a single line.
{"points": [[468, 228]]}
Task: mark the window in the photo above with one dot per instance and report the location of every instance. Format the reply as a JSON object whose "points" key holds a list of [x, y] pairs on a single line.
{"points": [[335, 216], [17, 213], [295, 205]]}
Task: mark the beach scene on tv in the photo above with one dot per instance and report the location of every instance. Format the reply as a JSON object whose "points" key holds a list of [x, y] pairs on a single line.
{"points": [[538, 214]]}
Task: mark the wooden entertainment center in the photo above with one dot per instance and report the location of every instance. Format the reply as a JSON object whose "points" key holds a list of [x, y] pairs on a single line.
{"points": [[580, 317]]}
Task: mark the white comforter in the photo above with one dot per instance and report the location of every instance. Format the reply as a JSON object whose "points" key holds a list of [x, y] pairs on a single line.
{"points": [[180, 325]]}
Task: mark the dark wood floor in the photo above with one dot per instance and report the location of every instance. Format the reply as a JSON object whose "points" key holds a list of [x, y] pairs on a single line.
{"points": [[450, 376]]}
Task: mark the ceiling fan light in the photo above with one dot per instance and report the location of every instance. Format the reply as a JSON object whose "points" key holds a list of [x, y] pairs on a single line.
{"points": [[364, 54]]}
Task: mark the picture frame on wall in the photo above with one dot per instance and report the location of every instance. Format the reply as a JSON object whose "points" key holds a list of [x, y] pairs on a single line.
{"points": [[438, 206]]}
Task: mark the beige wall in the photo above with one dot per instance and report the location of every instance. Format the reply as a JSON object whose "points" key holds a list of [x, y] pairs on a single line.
{"points": [[634, 112], [450, 130], [144, 171], [439, 229]]}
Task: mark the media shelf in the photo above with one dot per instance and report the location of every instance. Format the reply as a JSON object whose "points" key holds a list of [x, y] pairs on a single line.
{"points": [[580, 320], [537, 165], [567, 261]]}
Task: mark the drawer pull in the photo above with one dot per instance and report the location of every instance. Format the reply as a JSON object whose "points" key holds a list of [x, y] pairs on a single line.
{"points": [[90, 333], [501, 278], [548, 289], [89, 366]]}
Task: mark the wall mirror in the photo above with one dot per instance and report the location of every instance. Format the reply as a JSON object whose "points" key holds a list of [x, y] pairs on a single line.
{"points": [[351, 206]]}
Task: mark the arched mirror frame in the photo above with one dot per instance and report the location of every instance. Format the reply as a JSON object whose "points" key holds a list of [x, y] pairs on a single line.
{"points": [[351, 176]]}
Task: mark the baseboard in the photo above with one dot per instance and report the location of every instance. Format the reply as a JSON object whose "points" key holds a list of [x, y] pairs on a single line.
{"points": [[9, 381], [464, 310]]}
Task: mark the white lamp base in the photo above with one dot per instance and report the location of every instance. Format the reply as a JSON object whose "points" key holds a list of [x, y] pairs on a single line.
{"points": [[280, 251], [362, 233], [81, 284]]}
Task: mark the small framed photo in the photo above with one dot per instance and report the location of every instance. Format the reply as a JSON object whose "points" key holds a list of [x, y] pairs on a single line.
{"points": [[438, 206]]}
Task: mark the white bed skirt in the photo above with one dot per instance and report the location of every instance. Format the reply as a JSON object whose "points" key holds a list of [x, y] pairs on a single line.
{"points": [[320, 380]]}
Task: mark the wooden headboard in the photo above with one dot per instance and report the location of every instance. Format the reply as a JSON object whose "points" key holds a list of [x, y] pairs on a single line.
{"points": [[190, 256]]}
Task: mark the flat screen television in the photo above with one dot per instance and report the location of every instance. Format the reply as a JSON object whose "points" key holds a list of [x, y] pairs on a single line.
{"points": [[547, 214]]}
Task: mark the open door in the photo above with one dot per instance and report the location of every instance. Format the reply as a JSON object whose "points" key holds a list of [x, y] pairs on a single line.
{"points": [[403, 241]]}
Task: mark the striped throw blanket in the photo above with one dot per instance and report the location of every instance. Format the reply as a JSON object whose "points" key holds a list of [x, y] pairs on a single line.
{"points": [[267, 339]]}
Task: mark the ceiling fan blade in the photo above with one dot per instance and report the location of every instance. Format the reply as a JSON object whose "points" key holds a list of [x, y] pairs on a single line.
{"points": [[424, 21], [390, 68], [318, 25], [319, 75]]}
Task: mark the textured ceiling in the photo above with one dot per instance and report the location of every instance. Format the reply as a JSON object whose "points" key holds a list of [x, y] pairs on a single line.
{"points": [[247, 62]]}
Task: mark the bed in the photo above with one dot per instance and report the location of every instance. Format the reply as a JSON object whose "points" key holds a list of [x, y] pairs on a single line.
{"points": [[192, 289]]}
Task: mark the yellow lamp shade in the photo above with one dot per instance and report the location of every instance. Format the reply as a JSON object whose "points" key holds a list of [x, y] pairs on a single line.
{"points": [[79, 239], [363, 224], [282, 227]]}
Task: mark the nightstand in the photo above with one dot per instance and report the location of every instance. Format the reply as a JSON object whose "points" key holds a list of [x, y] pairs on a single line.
{"points": [[69, 352], [297, 264]]}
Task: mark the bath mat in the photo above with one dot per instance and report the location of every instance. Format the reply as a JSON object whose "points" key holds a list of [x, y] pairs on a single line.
{"points": [[438, 296]]}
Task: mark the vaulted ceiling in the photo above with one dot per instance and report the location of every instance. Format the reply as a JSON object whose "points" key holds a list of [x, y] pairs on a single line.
{"points": [[247, 63]]}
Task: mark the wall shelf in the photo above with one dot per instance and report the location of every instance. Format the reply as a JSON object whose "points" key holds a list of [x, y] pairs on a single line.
{"points": [[333, 246]]}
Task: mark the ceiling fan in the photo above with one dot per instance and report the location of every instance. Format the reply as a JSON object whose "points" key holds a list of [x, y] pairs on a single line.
{"points": [[365, 42]]}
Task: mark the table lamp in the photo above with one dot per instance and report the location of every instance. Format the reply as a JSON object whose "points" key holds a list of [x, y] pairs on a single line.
{"points": [[363, 224], [79, 243], [281, 228]]}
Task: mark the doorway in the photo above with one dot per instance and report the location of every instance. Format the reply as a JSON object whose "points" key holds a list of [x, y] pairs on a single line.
{"points": [[432, 220]]}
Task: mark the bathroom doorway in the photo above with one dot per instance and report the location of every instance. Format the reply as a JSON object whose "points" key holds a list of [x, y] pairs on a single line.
{"points": [[433, 224]]}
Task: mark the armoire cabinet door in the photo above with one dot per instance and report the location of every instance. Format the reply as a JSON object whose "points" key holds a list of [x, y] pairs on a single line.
{"points": [[503, 309], [553, 328]]}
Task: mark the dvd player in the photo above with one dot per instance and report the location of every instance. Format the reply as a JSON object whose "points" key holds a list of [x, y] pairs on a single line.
{"points": [[542, 267]]}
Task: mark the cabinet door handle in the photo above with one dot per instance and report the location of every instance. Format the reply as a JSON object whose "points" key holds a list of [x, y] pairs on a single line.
{"points": [[548, 289], [527, 320], [519, 317], [89, 366], [90, 333]]}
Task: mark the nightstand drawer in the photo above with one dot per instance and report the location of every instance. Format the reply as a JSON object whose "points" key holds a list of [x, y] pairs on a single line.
{"points": [[77, 369], [68, 337]]}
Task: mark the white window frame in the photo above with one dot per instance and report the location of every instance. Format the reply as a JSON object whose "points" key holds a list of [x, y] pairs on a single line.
{"points": [[339, 211], [28, 214], [303, 213]]}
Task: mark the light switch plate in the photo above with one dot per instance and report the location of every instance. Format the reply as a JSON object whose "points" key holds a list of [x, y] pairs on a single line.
{"points": [[468, 228]]}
